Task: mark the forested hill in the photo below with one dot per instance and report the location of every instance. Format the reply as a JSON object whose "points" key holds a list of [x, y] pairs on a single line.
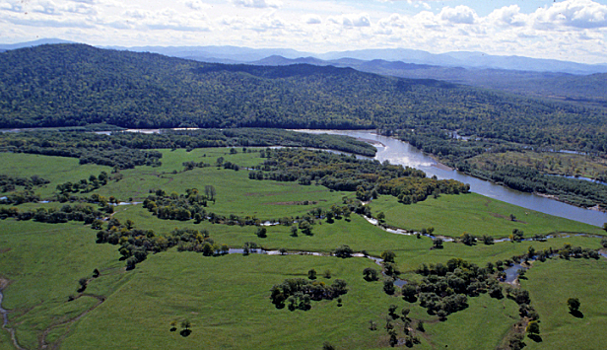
{"points": [[60, 85], [73, 84]]}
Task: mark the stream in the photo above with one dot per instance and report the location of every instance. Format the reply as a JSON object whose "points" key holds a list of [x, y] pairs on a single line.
{"points": [[4, 313]]}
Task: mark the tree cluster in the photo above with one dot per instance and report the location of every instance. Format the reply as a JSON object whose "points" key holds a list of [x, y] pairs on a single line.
{"points": [[368, 178], [9, 183], [445, 288], [298, 292]]}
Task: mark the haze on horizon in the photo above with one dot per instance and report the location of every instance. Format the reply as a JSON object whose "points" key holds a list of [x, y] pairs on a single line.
{"points": [[570, 30]]}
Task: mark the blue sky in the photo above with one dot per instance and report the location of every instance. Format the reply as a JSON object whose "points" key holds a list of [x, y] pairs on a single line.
{"points": [[572, 30]]}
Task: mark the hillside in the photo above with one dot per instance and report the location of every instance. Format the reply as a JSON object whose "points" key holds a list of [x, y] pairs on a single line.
{"points": [[68, 85]]}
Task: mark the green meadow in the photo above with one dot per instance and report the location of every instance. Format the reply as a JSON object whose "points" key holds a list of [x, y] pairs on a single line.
{"points": [[478, 215], [226, 298], [550, 285]]}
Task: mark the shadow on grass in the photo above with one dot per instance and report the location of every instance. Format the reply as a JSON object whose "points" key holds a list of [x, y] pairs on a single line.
{"points": [[185, 332], [535, 337], [577, 313]]}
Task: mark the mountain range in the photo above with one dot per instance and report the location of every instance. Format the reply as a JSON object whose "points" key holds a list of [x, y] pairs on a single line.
{"points": [[554, 79]]}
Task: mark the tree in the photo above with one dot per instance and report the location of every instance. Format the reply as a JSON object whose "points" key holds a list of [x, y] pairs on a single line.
{"points": [[533, 328], [207, 249], [261, 232], [438, 243], [293, 231], [312, 274], [405, 313], [83, 282], [343, 251], [468, 239], [305, 228], [327, 274], [381, 217], [370, 274], [574, 305], [210, 192], [392, 311], [517, 235], [185, 324], [388, 256], [409, 292], [389, 287], [97, 224], [488, 240], [327, 346], [129, 224]]}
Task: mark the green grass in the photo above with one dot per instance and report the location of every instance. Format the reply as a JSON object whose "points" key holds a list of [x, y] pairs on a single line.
{"points": [[44, 263], [452, 215], [55, 169], [226, 298], [236, 194], [550, 285], [359, 235], [481, 326]]}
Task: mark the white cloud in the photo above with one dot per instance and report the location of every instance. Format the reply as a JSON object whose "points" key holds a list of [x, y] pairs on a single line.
{"points": [[312, 19], [508, 16], [572, 13], [257, 3], [352, 20], [459, 15], [195, 5], [566, 29]]}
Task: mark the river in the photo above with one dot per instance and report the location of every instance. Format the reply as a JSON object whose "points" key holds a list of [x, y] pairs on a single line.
{"points": [[398, 152]]}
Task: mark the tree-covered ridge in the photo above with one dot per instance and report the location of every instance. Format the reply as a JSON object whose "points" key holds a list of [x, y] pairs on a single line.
{"points": [[368, 178], [62, 85], [127, 150]]}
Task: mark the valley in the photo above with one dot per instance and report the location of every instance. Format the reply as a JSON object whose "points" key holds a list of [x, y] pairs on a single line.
{"points": [[291, 207]]}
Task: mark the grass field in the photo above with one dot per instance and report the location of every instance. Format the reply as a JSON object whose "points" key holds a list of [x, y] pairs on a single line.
{"points": [[452, 215], [227, 298], [44, 263], [550, 285]]}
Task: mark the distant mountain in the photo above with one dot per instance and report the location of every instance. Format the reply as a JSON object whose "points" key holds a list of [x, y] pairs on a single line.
{"points": [[536, 77], [5, 47], [218, 54], [464, 59], [277, 60], [591, 89], [469, 60]]}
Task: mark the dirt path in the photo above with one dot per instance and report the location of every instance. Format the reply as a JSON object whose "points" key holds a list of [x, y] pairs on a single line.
{"points": [[42, 339]]}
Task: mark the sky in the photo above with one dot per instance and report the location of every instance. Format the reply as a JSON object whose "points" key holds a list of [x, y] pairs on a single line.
{"points": [[571, 30]]}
